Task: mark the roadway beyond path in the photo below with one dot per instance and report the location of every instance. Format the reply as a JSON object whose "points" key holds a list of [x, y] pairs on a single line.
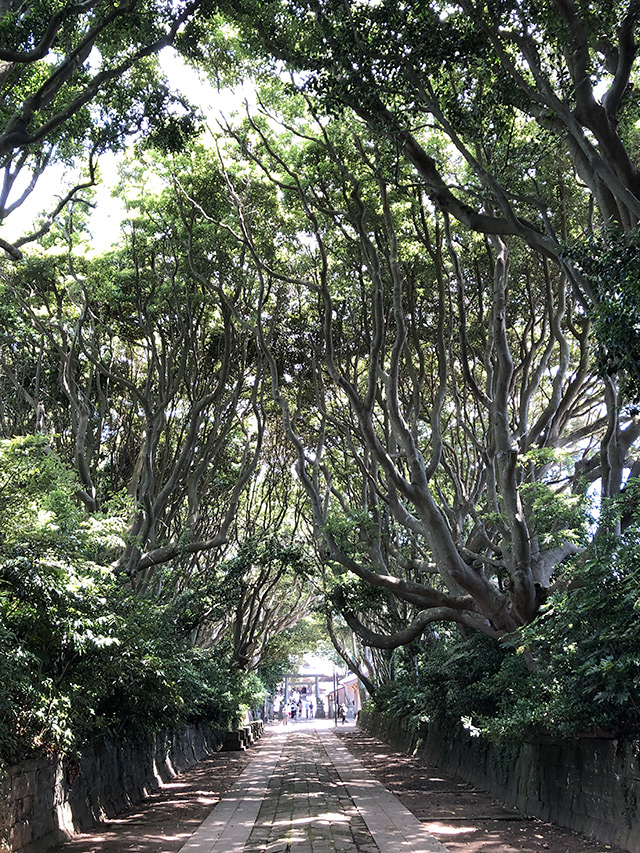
{"points": [[308, 788]]}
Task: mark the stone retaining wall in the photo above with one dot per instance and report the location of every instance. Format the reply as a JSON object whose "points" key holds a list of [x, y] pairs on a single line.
{"points": [[243, 737], [591, 785], [44, 801]]}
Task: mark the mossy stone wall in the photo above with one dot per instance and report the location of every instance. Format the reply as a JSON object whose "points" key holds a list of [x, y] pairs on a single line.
{"points": [[45, 801], [591, 785]]}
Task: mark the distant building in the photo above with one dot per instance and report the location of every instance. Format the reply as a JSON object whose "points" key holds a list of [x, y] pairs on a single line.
{"points": [[348, 693]]}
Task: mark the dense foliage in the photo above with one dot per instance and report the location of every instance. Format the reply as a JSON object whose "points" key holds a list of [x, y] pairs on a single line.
{"points": [[348, 356], [585, 647], [82, 655]]}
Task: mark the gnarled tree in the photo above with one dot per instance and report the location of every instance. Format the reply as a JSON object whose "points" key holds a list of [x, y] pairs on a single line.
{"points": [[452, 388], [505, 84], [152, 390]]}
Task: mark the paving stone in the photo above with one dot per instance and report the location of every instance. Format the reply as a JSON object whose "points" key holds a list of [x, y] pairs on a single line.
{"points": [[306, 794]]}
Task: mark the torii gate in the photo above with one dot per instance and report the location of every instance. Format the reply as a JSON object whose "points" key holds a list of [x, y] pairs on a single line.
{"points": [[292, 680]]}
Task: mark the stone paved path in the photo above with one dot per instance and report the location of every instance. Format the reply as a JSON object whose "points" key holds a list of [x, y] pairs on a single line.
{"points": [[306, 805], [305, 793], [314, 790]]}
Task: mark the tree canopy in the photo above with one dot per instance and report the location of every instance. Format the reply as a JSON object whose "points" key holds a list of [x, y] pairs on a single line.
{"points": [[367, 349]]}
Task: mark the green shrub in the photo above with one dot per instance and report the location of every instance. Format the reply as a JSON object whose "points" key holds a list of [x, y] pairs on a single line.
{"points": [[81, 655], [451, 679], [585, 648]]}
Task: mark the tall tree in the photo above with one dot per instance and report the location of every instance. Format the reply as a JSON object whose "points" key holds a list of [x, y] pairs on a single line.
{"points": [[445, 376], [473, 70], [78, 79], [263, 591], [152, 389], [503, 83]]}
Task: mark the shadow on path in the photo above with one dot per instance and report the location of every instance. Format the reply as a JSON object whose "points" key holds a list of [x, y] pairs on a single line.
{"points": [[165, 820], [462, 818]]}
